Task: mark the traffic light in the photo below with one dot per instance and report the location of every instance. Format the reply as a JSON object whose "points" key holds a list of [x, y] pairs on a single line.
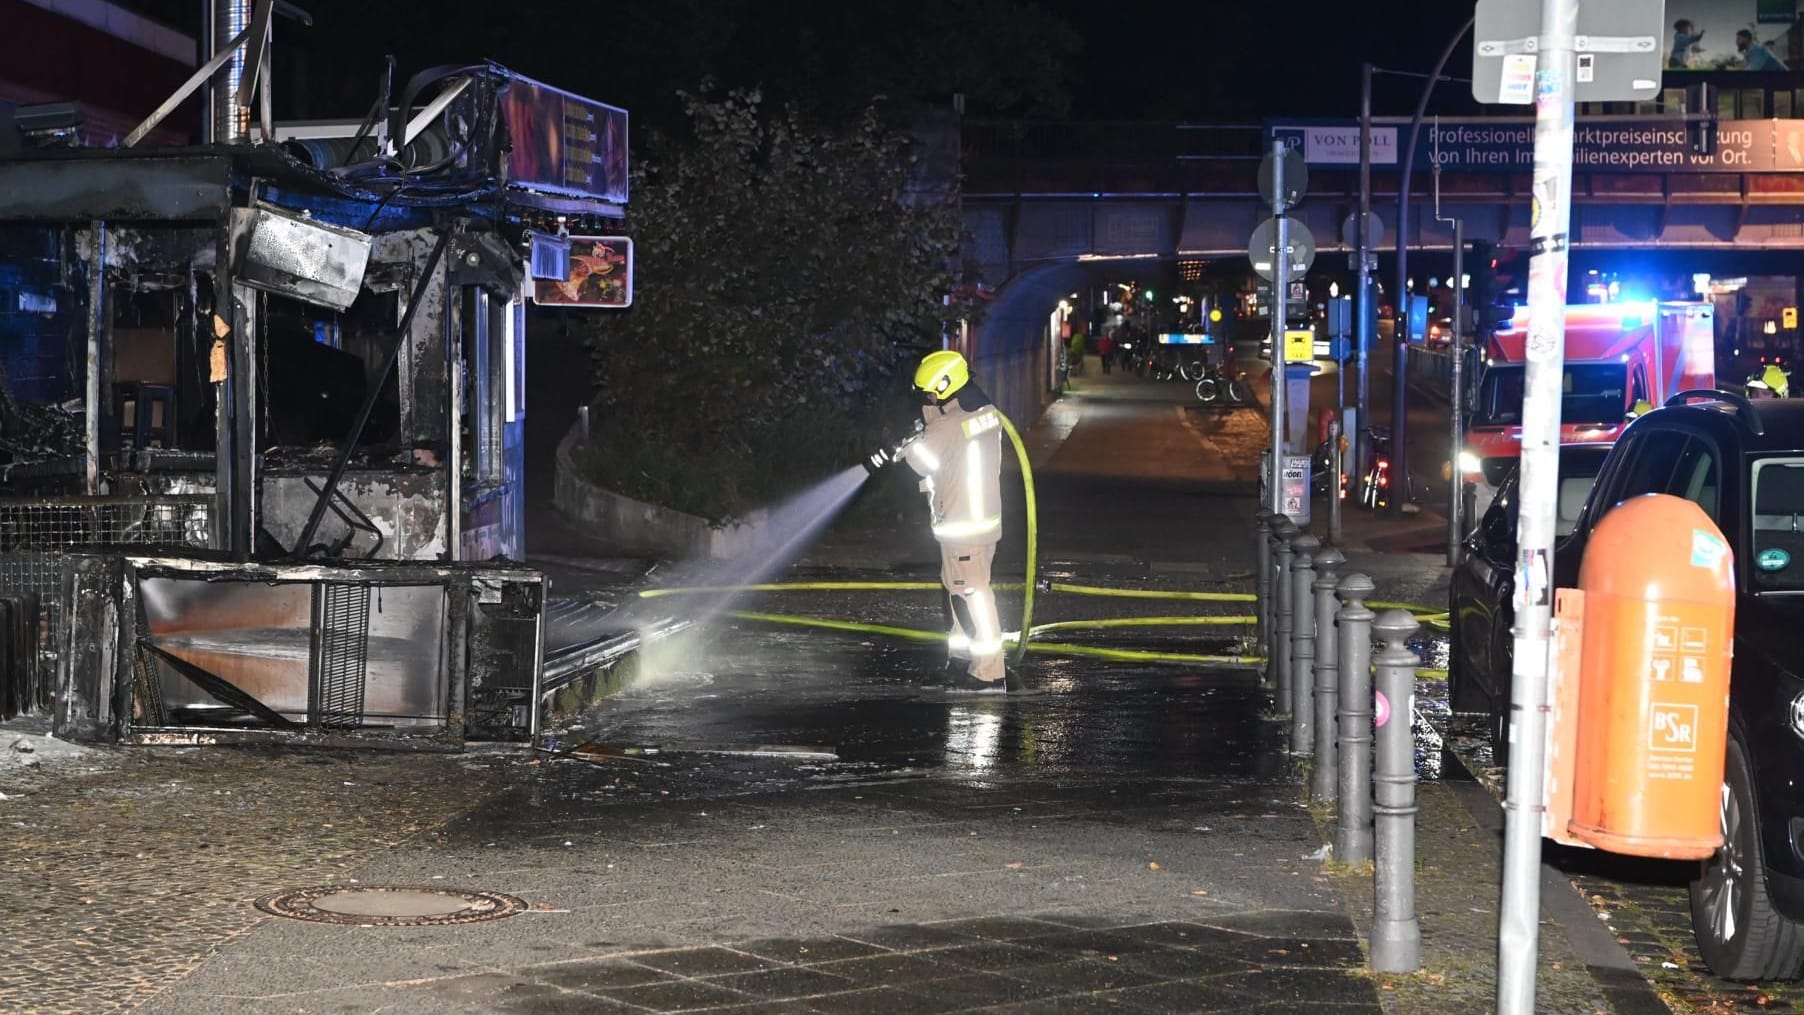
{"points": [[1491, 283]]}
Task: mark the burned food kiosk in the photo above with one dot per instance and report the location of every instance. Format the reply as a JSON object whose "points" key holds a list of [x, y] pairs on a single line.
{"points": [[262, 411]]}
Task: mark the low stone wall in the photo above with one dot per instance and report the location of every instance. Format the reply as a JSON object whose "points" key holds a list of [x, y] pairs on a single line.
{"points": [[635, 528]]}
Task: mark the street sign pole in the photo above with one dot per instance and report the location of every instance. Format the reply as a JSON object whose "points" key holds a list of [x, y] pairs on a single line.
{"points": [[1280, 317], [1550, 218], [1363, 330], [1456, 482]]}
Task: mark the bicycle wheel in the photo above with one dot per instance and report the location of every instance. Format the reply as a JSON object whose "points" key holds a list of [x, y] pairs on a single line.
{"points": [[1205, 390], [1239, 393]]}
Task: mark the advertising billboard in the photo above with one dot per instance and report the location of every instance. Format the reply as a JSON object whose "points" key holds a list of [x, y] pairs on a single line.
{"points": [[1740, 35], [601, 275], [563, 143], [1507, 145]]}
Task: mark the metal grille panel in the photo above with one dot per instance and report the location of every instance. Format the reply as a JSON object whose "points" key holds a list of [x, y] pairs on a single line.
{"points": [[344, 637], [36, 532]]}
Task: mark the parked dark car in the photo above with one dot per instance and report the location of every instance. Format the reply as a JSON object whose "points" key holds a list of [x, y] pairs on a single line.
{"points": [[1480, 588], [1743, 463]]}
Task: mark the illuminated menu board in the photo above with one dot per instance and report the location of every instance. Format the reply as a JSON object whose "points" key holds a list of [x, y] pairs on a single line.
{"points": [[563, 143]]}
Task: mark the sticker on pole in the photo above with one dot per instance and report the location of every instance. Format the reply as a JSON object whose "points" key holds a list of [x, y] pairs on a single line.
{"points": [[1381, 708], [1517, 87], [1707, 549], [1296, 488]]}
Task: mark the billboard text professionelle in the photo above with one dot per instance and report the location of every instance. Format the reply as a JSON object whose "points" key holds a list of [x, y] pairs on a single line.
{"points": [[1734, 35], [1507, 145]]}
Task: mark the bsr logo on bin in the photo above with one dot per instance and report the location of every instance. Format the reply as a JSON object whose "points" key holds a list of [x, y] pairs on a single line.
{"points": [[1673, 728]]}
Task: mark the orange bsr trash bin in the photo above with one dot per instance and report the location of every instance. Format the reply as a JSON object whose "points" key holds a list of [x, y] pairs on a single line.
{"points": [[1653, 711]]}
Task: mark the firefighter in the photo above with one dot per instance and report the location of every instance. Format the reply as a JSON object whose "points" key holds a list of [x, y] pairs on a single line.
{"points": [[1770, 382], [958, 455]]}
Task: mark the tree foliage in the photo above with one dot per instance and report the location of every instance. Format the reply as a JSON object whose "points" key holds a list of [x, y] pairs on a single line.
{"points": [[782, 270]]}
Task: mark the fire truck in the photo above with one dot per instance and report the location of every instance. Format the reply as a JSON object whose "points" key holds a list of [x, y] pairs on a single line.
{"points": [[1622, 359]]}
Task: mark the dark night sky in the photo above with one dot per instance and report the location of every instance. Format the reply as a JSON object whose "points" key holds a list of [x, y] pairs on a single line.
{"points": [[1266, 57], [1212, 61]]}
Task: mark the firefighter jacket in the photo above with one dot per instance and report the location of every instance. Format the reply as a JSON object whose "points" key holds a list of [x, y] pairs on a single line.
{"points": [[959, 459]]}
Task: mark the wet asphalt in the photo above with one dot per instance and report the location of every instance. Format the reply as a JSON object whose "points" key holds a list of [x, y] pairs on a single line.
{"points": [[778, 819], [775, 819]]}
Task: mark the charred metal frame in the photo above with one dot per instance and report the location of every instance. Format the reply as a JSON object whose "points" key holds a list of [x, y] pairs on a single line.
{"points": [[122, 660], [349, 446], [255, 243]]}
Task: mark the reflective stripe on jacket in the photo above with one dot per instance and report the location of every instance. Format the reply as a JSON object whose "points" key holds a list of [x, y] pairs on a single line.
{"points": [[959, 459]]}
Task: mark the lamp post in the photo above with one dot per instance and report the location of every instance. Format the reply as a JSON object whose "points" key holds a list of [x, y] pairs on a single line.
{"points": [[1400, 337]]}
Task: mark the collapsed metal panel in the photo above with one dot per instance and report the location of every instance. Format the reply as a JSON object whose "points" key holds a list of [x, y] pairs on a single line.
{"points": [[167, 649], [260, 639], [97, 186]]}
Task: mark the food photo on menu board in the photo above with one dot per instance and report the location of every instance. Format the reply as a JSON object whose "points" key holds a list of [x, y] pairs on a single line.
{"points": [[601, 275]]}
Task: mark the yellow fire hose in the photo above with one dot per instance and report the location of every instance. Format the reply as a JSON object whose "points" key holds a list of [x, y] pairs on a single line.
{"points": [[1025, 643], [1044, 648], [1051, 648], [1423, 613], [1033, 535]]}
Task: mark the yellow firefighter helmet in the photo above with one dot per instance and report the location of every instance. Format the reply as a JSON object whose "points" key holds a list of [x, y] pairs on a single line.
{"points": [[942, 373]]}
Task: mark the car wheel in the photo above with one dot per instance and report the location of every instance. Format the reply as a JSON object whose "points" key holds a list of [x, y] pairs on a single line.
{"points": [[1739, 933]]}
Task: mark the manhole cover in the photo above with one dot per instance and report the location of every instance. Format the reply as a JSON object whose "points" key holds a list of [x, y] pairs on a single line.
{"points": [[389, 905]]}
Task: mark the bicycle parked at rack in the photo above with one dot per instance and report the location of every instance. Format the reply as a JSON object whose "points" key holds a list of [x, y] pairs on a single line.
{"points": [[1219, 385]]}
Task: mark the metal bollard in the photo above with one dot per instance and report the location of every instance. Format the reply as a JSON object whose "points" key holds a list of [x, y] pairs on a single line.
{"points": [[1262, 541], [1284, 529], [1323, 785], [1302, 644], [1396, 936], [1353, 831]]}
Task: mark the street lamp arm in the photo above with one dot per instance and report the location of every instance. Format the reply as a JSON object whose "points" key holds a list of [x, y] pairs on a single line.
{"points": [[1400, 337]]}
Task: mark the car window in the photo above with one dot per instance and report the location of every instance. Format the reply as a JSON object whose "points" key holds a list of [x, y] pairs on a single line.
{"points": [[1778, 517], [1579, 467], [1656, 454], [1695, 478], [1589, 393]]}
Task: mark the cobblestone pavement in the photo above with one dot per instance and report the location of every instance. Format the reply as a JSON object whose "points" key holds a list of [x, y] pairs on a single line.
{"points": [[1644, 904], [123, 869]]}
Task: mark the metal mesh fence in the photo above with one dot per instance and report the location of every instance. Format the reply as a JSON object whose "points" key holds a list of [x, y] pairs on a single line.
{"points": [[36, 532]]}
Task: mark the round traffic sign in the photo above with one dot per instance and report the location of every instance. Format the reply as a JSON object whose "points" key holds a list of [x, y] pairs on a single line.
{"points": [[1262, 250], [1296, 179], [1349, 230]]}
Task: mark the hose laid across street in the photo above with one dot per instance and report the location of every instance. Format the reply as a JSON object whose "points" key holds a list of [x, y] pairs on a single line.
{"points": [[1025, 642], [1042, 648]]}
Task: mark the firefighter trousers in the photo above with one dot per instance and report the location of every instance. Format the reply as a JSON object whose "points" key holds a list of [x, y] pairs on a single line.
{"points": [[976, 634]]}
